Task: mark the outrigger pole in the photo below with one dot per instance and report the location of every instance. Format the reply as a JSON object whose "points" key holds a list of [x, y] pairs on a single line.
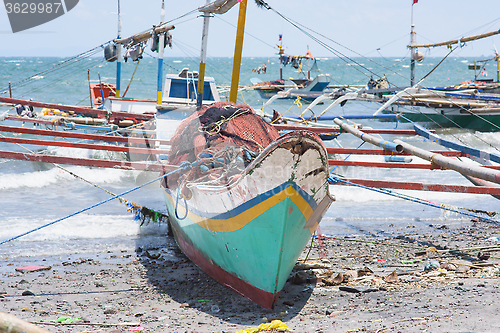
{"points": [[233, 93], [119, 54], [161, 45]]}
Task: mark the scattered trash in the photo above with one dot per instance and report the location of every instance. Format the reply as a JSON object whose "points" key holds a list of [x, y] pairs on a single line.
{"points": [[358, 289], [392, 278], [33, 268], [483, 255], [432, 265], [411, 261], [28, 293], [300, 277], [62, 320], [274, 325], [215, 308]]}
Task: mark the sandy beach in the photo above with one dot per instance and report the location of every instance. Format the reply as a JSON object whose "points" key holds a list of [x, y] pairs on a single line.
{"points": [[412, 283]]}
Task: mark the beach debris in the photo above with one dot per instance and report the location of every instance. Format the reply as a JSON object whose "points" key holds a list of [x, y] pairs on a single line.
{"points": [[137, 329], [483, 255], [312, 265], [448, 266], [358, 289], [28, 293], [300, 277], [62, 320], [152, 256], [274, 325], [289, 303], [392, 278], [111, 311], [16, 325], [364, 271], [33, 268], [334, 281], [185, 305], [432, 265], [350, 275]]}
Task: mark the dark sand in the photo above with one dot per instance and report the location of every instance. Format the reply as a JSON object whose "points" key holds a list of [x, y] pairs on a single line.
{"points": [[170, 294]]}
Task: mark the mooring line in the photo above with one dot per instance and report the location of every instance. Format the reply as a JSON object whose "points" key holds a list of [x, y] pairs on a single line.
{"points": [[97, 204], [334, 179]]}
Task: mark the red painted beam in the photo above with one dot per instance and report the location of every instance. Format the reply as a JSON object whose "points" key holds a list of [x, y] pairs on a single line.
{"points": [[79, 109], [83, 145], [423, 186], [87, 162], [354, 151], [32, 120], [76, 135], [394, 165]]}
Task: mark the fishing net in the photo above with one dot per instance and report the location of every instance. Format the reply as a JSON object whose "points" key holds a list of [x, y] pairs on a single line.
{"points": [[223, 137]]}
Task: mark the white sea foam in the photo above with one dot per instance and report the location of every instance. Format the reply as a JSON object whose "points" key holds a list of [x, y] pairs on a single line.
{"points": [[39, 179]]}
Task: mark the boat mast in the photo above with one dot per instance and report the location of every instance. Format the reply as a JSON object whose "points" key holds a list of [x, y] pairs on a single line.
{"points": [[203, 59], [161, 45], [119, 54], [412, 47], [233, 93], [281, 53]]}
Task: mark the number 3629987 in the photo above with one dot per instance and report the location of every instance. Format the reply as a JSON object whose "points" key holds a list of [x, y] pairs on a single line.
{"points": [[32, 8]]}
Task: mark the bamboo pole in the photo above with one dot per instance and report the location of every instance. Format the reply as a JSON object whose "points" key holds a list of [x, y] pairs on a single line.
{"points": [[238, 48], [368, 138], [11, 324], [456, 41], [448, 163], [141, 37]]}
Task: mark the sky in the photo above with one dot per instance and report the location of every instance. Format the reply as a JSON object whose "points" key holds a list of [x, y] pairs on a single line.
{"points": [[369, 28]]}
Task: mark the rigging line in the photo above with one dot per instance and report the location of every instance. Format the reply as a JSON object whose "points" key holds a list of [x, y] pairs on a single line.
{"points": [[27, 81], [296, 24], [246, 33], [94, 205], [335, 179], [63, 63], [53, 86], [122, 200]]}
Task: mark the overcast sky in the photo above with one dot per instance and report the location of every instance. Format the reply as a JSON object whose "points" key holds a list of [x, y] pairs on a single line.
{"points": [[367, 27]]}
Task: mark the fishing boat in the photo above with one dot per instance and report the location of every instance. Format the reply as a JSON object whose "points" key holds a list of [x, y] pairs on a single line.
{"points": [[249, 199], [306, 87]]}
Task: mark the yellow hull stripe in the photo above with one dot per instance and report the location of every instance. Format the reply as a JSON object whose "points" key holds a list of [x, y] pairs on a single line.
{"points": [[239, 221]]}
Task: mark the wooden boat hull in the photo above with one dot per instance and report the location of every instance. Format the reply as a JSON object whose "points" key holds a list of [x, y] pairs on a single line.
{"points": [[248, 235]]}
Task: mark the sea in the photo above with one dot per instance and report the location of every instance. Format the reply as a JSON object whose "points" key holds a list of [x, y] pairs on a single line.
{"points": [[42, 197]]}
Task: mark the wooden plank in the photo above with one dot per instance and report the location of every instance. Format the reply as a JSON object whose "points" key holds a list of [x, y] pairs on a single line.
{"points": [[79, 109], [125, 165], [423, 186], [83, 145], [76, 135]]}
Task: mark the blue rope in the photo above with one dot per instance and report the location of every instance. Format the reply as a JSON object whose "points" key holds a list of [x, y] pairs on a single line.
{"points": [[334, 180], [183, 167], [362, 143]]}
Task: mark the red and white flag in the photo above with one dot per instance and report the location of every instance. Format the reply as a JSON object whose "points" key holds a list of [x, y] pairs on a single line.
{"points": [[414, 2]]}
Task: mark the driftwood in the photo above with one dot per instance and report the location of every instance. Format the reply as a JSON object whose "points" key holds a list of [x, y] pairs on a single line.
{"points": [[12, 324]]}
